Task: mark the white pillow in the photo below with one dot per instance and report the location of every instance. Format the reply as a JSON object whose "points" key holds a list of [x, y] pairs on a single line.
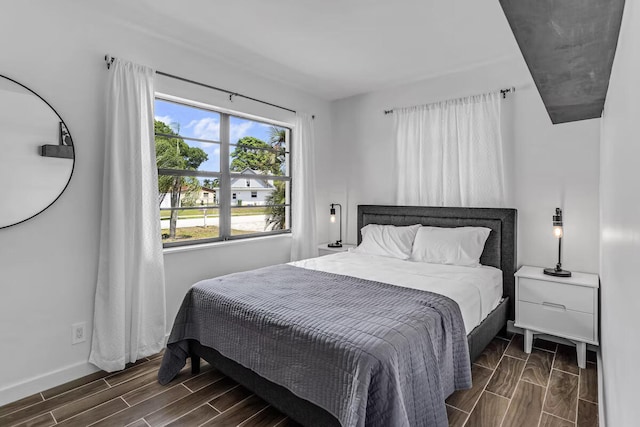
{"points": [[457, 246], [387, 240]]}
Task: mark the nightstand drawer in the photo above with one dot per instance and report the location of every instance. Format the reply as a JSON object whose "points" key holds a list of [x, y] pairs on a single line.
{"points": [[572, 297], [555, 321]]}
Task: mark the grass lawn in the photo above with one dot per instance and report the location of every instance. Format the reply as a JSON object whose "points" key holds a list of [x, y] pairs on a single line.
{"points": [[215, 212], [195, 233]]}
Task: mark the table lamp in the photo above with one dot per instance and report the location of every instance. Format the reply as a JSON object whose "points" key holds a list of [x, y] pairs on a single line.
{"points": [[332, 212], [558, 232]]}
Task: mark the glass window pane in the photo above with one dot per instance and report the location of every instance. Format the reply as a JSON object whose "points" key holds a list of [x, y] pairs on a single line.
{"points": [[256, 146], [190, 224], [188, 121], [258, 219], [245, 159], [187, 191], [184, 154], [198, 216], [174, 125]]}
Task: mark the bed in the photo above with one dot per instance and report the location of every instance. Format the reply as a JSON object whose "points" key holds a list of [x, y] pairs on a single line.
{"points": [[499, 252]]}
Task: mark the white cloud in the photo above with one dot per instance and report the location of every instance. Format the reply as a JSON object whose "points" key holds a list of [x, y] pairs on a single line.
{"points": [[206, 128], [239, 131], [209, 128]]}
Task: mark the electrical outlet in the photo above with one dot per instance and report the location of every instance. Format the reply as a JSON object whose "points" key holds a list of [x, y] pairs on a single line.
{"points": [[78, 332]]}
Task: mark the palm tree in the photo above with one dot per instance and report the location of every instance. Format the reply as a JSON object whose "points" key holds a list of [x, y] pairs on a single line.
{"points": [[277, 136], [276, 215]]}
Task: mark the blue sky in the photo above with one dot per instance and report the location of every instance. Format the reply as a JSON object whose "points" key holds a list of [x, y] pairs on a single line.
{"points": [[202, 124]]}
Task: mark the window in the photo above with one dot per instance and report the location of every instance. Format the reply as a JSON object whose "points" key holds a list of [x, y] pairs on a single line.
{"points": [[200, 148]]}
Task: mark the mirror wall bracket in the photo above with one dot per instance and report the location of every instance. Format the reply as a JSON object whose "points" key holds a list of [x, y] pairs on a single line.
{"points": [[60, 151], [63, 150]]}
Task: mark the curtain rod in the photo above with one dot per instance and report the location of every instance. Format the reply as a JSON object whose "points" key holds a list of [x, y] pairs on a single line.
{"points": [[109, 60], [503, 92]]}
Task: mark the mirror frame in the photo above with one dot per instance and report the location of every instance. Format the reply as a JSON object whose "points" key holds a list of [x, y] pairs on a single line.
{"points": [[74, 154]]}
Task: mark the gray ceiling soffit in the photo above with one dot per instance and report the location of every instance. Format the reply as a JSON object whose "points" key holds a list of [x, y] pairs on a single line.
{"points": [[569, 46]]}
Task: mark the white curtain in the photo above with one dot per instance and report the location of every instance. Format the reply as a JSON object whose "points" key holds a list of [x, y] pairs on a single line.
{"points": [[129, 318], [303, 222], [450, 153]]}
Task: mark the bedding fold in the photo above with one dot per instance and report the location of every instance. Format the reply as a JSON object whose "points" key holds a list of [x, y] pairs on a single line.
{"points": [[369, 353]]}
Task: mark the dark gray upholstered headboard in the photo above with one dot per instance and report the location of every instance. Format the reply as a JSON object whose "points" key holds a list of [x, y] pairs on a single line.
{"points": [[499, 250]]}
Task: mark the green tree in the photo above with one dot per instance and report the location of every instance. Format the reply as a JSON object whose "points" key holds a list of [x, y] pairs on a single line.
{"points": [[253, 153], [276, 216], [173, 153]]}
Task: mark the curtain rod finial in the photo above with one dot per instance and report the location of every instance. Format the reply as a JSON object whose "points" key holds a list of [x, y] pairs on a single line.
{"points": [[109, 60]]}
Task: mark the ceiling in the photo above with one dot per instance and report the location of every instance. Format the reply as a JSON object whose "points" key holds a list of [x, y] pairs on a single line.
{"points": [[332, 48]]}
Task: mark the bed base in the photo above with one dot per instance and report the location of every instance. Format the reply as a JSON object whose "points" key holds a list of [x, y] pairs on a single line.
{"points": [[494, 324], [298, 409]]}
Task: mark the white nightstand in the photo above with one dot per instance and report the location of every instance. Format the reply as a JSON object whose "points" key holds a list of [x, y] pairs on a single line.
{"points": [[566, 307], [323, 249]]}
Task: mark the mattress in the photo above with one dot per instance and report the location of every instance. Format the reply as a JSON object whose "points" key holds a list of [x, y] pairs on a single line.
{"points": [[476, 290]]}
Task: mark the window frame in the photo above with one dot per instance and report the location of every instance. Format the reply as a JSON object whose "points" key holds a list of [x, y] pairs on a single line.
{"points": [[225, 176]]}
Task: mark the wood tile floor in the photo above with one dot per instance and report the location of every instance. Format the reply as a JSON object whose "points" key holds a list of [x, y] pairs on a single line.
{"points": [[542, 389], [510, 388], [133, 397]]}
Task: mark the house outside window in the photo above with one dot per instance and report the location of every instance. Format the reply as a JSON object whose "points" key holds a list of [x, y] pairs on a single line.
{"points": [[202, 150]]}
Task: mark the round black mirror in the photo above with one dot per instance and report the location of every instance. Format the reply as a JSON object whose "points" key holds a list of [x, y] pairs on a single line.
{"points": [[36, 153]]}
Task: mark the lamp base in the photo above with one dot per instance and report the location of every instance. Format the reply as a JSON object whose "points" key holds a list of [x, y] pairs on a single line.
{"points": [[558, 273], [335, 245]]}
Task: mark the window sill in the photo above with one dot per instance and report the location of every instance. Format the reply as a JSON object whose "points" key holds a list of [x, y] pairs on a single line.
{"points": [[205, 246]]}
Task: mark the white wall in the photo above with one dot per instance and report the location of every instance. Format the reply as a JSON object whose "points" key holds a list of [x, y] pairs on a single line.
{"points": [[551, 165], [48, 265], [620, 228]]}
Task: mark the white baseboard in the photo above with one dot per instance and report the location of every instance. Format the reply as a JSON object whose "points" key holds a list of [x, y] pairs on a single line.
{"points": [[12, 392], [36, 384]]}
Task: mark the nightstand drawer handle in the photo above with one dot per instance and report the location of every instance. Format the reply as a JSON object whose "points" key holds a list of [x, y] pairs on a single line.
{"points": [[556, 306]]}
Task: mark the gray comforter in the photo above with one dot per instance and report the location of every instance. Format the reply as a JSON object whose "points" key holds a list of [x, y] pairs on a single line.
{"points": [[369, 353]]}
